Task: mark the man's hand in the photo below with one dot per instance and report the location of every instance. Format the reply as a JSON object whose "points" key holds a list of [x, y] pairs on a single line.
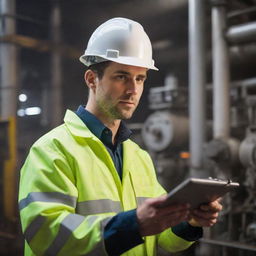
{"points": [[153, 218], [206, 215]]}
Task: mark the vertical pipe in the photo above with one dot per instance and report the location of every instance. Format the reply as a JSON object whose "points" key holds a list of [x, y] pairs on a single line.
{"points": [[221, 80], [56, 93], [9, 174], [196, 84], [8, 104], [8, 65]]}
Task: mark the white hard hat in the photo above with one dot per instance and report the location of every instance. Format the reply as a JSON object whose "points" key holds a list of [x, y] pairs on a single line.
{"points": [[120, 40]]}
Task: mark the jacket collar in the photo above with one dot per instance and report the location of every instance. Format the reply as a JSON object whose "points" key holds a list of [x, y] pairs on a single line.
{"points": [[100, 130], [76, 125]]}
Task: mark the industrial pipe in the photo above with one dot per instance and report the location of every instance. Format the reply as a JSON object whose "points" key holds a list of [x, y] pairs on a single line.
{"points": [[221, 79], [196, 85], [248, 83], [8, 62], [244, 33], [56, 81]]}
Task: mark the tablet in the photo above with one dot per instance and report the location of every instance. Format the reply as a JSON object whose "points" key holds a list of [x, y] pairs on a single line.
{"points": [[196, 191]]}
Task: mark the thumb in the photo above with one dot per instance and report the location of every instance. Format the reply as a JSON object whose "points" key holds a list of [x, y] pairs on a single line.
{"points": [[158, 200]]}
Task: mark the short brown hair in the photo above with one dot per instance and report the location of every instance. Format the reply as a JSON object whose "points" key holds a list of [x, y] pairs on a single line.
{"points": [[99, 68]]}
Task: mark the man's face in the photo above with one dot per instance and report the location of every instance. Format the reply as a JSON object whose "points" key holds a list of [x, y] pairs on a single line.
{"points": [[118, 92]]}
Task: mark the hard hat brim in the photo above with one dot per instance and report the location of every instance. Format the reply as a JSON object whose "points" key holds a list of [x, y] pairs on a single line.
{"points": [[121, 60]]}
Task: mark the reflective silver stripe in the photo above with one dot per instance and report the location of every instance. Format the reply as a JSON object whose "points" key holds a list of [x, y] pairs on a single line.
{"points": [[98, 250], [67, 226], [98, 206], [105, 222], [33, 227], [50, 197], [100, 247], [140, 200]]}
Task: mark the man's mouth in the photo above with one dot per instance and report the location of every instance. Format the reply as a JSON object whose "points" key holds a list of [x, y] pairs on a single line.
{"points": [[126, 102]]}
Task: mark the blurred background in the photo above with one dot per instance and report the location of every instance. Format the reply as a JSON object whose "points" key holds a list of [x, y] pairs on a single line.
{"points": [[197, 116]]}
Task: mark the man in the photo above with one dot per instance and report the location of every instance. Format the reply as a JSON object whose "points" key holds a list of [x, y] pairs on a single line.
{"points": [[86, 188]]}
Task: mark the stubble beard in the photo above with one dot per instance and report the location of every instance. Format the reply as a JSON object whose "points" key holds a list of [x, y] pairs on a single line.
{"points": [[115, 112]]}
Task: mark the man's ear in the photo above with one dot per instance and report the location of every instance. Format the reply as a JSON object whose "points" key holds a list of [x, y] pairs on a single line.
{"points": [[91, 79]]}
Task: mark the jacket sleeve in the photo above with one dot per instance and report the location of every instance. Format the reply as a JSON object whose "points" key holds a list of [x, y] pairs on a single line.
{"points": [[47, 202], [170, 240]]}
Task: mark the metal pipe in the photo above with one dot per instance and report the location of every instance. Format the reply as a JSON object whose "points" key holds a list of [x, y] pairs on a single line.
{"points": [[244, 33], [8, 63], [56, 81], [250, 82], [229, 244], [245, 11], [196, 84], [221, 101], [246, 83]]}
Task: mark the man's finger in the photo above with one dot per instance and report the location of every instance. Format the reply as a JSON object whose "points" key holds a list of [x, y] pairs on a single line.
{"points": [[214, 206], [204, 215]]}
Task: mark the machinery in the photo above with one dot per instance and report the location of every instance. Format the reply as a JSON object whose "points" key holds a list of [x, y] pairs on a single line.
{"points": [[165, 132], [219, 137], [204, 128]]}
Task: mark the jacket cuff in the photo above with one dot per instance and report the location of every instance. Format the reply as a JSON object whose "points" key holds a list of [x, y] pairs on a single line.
{"points": [[187, 232], [122, 233]]}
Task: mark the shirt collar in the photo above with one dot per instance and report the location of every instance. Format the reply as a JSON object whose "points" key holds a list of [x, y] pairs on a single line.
{"points": [[100, 130]]}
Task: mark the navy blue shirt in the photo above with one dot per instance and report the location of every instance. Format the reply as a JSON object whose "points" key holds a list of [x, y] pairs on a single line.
{"points": [[122, 231], [105, 135]]}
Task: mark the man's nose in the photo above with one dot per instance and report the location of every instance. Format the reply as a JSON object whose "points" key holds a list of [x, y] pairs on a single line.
{"points": [[132, 86]]}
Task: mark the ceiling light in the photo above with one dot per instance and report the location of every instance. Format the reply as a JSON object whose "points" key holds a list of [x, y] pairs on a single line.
{"points": [[21, 112], [32, 111], [23, 97]]}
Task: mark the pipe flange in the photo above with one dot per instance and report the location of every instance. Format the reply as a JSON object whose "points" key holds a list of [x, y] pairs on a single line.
{"points": [[247, 151], [163, 129], [223, 150], [217, 150]]}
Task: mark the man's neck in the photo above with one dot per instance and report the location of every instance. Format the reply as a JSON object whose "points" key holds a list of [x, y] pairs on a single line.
{"points": [[112, 124]]}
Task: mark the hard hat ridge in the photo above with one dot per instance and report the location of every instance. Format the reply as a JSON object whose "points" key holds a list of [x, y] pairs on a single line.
{"points": [[120, 40]]}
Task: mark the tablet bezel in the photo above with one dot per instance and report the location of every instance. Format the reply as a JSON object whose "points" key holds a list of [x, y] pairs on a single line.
{"points": [[197, 191]]}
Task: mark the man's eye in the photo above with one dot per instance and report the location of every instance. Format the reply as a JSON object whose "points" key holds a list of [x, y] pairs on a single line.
{"points": [[121, 77], [140, 79]]}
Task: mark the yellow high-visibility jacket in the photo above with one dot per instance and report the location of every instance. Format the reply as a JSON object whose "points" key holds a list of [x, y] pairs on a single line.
{"points": [[69, 189]]}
